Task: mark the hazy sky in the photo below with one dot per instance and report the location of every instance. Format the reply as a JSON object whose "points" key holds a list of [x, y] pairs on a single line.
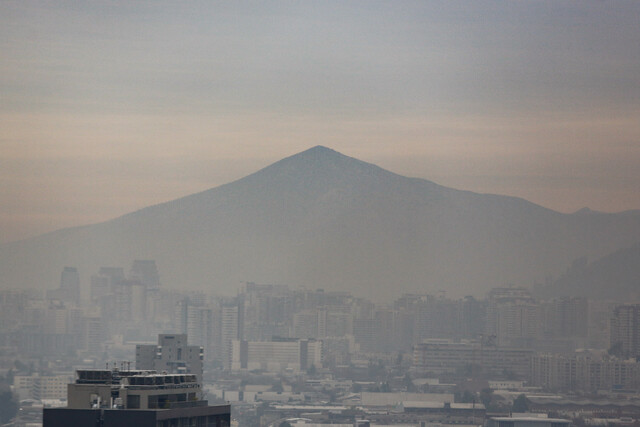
{"points": [[107, 107]]}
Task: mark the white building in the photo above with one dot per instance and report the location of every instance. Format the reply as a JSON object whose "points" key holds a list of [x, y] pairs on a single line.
{"points": [[49, 387]]}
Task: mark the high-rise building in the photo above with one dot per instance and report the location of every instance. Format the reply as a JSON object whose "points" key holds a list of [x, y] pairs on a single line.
{"points": [[305, 323], [266, 311], [197, 322], [69, 290], [625, 331], [146, 272], [230, 331], [513, 317], [103, 282]]}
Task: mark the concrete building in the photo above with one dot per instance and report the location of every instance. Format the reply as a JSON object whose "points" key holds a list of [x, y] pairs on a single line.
{"points": [[266, 311], [112, 398], [102, 283], [196, 321], [625, 331], [229, 331], [50, 387], [69, 290], [145, 272], [513, 317], [277, 355], [171, 355], [583, 373], [306, 323], [442, 356]]}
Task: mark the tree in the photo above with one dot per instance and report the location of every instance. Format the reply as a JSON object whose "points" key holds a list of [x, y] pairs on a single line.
{"points": [[520, 404], [9, 377], [408, 383], [8, 406], [486, 395]]}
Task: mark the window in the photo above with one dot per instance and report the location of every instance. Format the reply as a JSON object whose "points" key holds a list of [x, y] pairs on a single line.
{"points": [[133, 401]]}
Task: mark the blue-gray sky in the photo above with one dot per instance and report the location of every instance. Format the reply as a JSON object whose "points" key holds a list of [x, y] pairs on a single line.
{"points": [[107, 107]]}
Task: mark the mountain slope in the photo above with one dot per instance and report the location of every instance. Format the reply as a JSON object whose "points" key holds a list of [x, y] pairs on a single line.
{"points": [[615, 276], [322, 219]]}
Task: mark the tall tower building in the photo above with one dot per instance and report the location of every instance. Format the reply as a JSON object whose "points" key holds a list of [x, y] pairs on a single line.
{"points": [[69, 290], [229, 332], [513, 317], [146, 272], [70, 280], [625, 331]]}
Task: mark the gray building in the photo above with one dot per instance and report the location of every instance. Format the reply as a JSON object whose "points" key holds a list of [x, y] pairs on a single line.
{"points": [[141, 398], [625, 331], [446, 356], [172, 355]]}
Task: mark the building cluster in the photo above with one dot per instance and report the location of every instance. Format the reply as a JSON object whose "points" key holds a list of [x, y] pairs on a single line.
{"points": [[275, 351]]}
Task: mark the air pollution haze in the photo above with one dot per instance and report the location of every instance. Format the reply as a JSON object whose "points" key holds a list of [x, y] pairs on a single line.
{"points": [[404, 212], [110, 107], [324, 220]]}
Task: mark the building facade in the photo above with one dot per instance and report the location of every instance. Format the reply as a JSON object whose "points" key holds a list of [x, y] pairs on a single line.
{"points": [[111, 398], [441, 356], [277, 355], [171, 355]]}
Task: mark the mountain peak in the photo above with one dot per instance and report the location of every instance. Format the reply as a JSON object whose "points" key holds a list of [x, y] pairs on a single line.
{"points": [[317, 153], [323, 219], [321, 160], [320, 149]]}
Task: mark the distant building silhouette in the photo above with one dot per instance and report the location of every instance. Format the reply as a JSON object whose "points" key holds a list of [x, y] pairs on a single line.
{"points": [[69, 290], [146, 272], [625, 331]]}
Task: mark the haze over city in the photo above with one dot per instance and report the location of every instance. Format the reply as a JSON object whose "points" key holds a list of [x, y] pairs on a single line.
{"points": [[298, 214]]}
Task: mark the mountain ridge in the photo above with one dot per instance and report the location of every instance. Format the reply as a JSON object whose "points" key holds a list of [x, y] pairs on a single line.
{"points": [[323, 219]]}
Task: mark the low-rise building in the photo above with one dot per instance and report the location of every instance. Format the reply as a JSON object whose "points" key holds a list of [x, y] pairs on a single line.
{"points": [[446, 356], [527, 421]]}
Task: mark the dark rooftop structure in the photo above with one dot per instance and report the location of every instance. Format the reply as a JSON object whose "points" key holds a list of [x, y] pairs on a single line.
{"points": [[140, 398]]}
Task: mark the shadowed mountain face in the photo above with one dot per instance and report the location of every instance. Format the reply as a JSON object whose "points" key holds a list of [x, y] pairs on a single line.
{"points": [[321, 219], [615, 276]]}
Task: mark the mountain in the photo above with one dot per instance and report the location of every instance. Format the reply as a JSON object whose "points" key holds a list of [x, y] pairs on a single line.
{"points": [[615, 276], [324, 220]]}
